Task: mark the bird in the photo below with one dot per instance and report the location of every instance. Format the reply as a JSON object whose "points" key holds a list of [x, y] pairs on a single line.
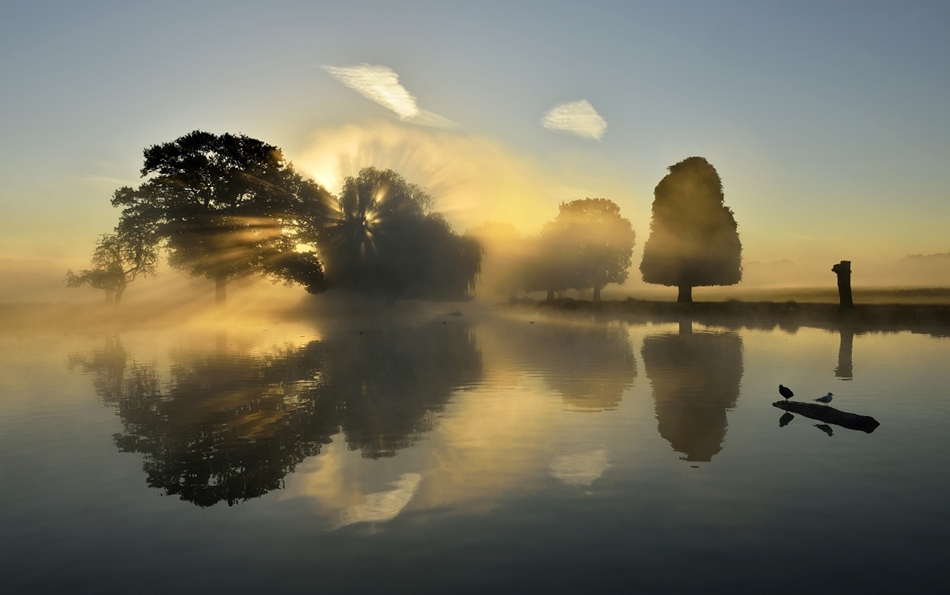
{"points": [[785, 392], [825, 399], [826, 429]]}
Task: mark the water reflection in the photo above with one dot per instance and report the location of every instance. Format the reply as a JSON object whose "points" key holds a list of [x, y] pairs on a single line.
{"points": [[229, 426], [590, 364], [695, 379], [845, 370]]}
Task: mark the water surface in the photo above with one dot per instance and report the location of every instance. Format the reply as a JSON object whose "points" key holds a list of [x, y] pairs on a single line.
{"points": [[467, 454]]}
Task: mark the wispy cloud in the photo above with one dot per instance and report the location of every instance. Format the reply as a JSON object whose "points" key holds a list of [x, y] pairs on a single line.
{"points": [[576, 117], [381, 84]]}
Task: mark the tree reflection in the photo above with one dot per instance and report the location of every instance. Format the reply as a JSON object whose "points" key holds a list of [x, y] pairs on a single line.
{"points": [[845, 369], [695, 378], [230, 426], [590, 364]]}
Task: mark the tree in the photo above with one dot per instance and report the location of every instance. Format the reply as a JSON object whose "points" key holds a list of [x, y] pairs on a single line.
{"points": [[118, 259], [381, 238], [587, 246], [227, 206], [693, 236]]}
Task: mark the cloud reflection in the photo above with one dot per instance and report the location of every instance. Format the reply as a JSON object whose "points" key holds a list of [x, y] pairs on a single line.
{"points": [[580, 469], [380, 507]]}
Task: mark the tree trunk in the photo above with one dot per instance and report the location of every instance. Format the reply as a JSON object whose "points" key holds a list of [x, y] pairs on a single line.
{"points": [[118, 294], [685, 294], [843, 270], [220, 290], [109, 295], [550, 297], [830, 415], [596, 294]]}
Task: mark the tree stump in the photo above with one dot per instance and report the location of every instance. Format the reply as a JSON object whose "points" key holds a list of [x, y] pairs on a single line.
{"points": [[843, 270]]}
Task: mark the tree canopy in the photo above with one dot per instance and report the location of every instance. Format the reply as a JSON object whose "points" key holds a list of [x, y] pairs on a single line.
{"points": [[117, 260], [587, 246], [381, 237], [693, 235], [226, 206]]}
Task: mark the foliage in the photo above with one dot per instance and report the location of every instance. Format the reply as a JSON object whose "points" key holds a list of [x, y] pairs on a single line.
{"points": [[382, 238], [587, 246], [226, 206], [118, 259], [693, 236]]}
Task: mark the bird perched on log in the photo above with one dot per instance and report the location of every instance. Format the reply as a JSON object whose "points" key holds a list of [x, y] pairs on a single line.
{"points": [[825, 399], [785, 392]]}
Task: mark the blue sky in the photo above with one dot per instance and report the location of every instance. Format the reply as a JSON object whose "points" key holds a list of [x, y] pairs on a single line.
{"points": [[829, 122]]}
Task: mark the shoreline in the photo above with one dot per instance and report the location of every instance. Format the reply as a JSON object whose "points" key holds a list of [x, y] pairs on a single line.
{"points": [[933, 319]]}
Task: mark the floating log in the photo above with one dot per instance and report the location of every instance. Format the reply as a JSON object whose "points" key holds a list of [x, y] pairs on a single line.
{"points": [[830, 415]]}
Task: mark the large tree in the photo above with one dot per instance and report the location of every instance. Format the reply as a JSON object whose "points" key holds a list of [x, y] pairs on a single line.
{"points": [[693, 235], [382, 238], [226, 206], [587, 246], [118, 259]]}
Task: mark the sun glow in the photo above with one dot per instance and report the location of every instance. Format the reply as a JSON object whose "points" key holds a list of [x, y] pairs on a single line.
{"points": [[473, 179]]}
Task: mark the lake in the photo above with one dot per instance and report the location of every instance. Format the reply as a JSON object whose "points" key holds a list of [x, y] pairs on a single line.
{"points": [[495, 450]]}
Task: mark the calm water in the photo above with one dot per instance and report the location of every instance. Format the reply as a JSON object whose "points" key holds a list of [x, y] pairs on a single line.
{"points": [[467, 455]]}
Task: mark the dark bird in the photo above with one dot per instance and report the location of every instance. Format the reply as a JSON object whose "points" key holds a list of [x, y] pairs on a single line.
{"points": [[825, 399], [826, 429], [785, 419], [785, 392]]}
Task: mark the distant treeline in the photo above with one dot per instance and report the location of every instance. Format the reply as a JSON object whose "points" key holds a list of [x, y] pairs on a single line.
{"points": [[229, 206]]}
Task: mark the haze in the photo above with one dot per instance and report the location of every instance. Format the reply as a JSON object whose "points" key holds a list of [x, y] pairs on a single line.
{"points": [[828, 123]]}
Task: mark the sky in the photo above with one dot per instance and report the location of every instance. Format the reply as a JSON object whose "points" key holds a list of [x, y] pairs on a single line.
{"points": [[828, 121]]}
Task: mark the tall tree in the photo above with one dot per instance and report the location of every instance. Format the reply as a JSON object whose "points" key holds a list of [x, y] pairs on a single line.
{"points": [[227, 206], [693, 235], [118, 259], [382, 238]]}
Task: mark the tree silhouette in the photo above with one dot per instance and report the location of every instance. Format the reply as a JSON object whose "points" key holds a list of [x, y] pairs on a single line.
{"points": [[693, 239], [382, 238], [118, 259], [587, 246], [226, 206]]}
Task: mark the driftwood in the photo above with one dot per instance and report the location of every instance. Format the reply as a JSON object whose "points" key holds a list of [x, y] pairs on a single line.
{"points": [[830, 415]]}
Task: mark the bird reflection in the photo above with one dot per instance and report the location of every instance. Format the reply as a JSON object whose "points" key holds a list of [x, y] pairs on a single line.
{"points": [[826, 429], [785, 419], [695, 378]]}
